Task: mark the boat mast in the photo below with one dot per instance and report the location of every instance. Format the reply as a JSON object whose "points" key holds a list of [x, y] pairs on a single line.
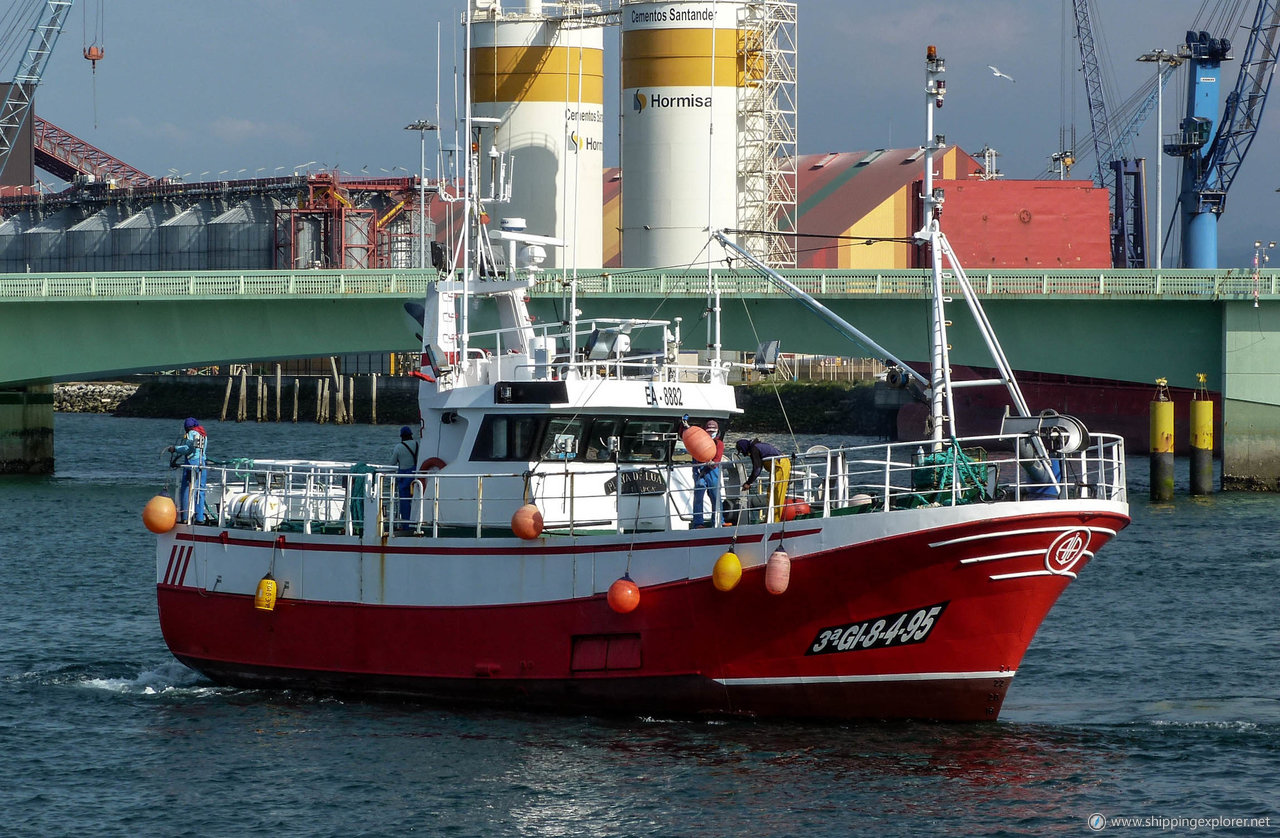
{"points": [[939, 384], [470, 194], [940, 405], [942, 413]]}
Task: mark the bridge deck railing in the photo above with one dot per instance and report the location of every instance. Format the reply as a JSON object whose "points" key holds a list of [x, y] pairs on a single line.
{"points": [[1191, 284], [207, 284], [1168, 284]]}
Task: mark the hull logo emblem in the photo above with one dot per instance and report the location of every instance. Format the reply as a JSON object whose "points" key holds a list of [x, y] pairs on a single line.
{"points": [[1066, 551]]}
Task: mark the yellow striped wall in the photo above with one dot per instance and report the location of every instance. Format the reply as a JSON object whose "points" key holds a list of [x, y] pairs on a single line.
{"points": [[532, 73], [687, 58], [536, 74]]}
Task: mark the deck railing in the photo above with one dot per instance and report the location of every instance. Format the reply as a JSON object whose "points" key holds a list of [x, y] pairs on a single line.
{"points": [[583, 499]]}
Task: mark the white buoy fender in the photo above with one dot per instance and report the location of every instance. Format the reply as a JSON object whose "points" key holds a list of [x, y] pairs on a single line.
{"points": [[777, 572]]}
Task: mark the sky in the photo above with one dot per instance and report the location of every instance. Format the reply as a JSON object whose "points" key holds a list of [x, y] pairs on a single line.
{"points": [[244, 88]]}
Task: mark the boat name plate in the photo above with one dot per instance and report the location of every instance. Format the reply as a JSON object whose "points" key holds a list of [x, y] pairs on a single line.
{"points": [[903, 628]]}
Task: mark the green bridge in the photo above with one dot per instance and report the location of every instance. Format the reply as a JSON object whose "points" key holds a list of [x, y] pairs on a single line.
{"points": [[1133, 326]]}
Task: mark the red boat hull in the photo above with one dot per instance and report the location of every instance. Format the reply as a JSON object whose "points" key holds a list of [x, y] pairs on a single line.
{"points": [[972, 594]]}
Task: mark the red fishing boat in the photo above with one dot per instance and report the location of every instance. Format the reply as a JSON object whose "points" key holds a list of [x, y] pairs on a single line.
{"points": [[546, 552]]}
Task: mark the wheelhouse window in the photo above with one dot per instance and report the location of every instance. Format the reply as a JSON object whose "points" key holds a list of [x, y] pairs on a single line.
{"points": [[579, 438], [504, 437], [564, 435], [597, 441], [647, 440]]}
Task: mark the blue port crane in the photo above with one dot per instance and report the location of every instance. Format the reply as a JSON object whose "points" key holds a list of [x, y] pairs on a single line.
{"points": [[17, 104], [1211, 159]]}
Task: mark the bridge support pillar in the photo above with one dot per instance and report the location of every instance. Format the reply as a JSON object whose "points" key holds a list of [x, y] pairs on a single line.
{"points": [[1250, 446], [26, 430], [1251, 397]]}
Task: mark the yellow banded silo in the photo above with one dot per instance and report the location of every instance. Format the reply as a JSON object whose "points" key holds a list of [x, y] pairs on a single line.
{"points": [[683, 73], [544, 77]]}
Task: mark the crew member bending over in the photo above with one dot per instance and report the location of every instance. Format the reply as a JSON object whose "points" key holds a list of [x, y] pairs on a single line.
{"points": [[759, 452]]}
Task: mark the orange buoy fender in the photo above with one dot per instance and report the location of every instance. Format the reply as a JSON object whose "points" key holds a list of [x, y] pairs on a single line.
{"points": [[265, 597], [624, 595], [777, 572], [159, 515], [700, 444], [793, 507], [527, 522], [727, 572]]}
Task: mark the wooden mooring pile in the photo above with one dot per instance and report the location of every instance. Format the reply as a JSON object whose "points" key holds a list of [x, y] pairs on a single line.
{"points": [[335, 397]]}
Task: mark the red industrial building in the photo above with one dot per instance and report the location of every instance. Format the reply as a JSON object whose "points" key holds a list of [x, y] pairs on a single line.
{"points": [[857, 197]]}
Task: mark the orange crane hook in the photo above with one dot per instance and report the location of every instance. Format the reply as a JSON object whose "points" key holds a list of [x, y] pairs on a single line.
{"points": [[94, 53]]}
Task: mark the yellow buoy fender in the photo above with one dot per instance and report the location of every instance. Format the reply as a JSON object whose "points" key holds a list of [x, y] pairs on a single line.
{"points": [[265, 598], [727, 572]]}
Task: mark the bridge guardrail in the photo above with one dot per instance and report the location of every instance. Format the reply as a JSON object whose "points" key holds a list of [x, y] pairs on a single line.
{"points": [[205, 284], [1177, 284], [1183, 284]]}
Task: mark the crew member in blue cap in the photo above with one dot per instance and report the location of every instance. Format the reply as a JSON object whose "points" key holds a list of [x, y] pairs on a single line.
{"points": [[405, 458], [191, 453]]}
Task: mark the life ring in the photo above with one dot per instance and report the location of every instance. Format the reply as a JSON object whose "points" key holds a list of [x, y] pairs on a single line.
{"points": [[429, 464]]}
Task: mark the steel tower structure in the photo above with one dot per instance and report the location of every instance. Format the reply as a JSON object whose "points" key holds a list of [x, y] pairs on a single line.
{"points": [[17, 104]]}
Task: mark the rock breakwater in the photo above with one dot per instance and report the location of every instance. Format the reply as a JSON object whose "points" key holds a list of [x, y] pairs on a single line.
{"points": [[91, 397]]}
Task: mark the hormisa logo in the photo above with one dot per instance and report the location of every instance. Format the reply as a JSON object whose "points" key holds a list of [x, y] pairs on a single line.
{"points": [[656, 100]]}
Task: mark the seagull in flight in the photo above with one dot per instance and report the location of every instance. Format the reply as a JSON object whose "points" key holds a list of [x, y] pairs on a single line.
{"points": [[1000, 75]]}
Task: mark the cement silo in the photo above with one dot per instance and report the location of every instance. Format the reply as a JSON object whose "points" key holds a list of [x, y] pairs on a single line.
{"points": [[683, 64], [13, 257], [543, 76], [135, 242], [88, 244], [45, 244], [242, 238], [184, 239]]}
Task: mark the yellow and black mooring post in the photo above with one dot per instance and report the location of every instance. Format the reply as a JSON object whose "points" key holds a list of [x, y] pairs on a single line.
{"points": [[1201, 439], [1162, 443]]}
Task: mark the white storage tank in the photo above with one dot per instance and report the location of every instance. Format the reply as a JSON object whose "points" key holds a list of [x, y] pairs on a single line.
{"points": [[683, 69], [544, 78]]}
